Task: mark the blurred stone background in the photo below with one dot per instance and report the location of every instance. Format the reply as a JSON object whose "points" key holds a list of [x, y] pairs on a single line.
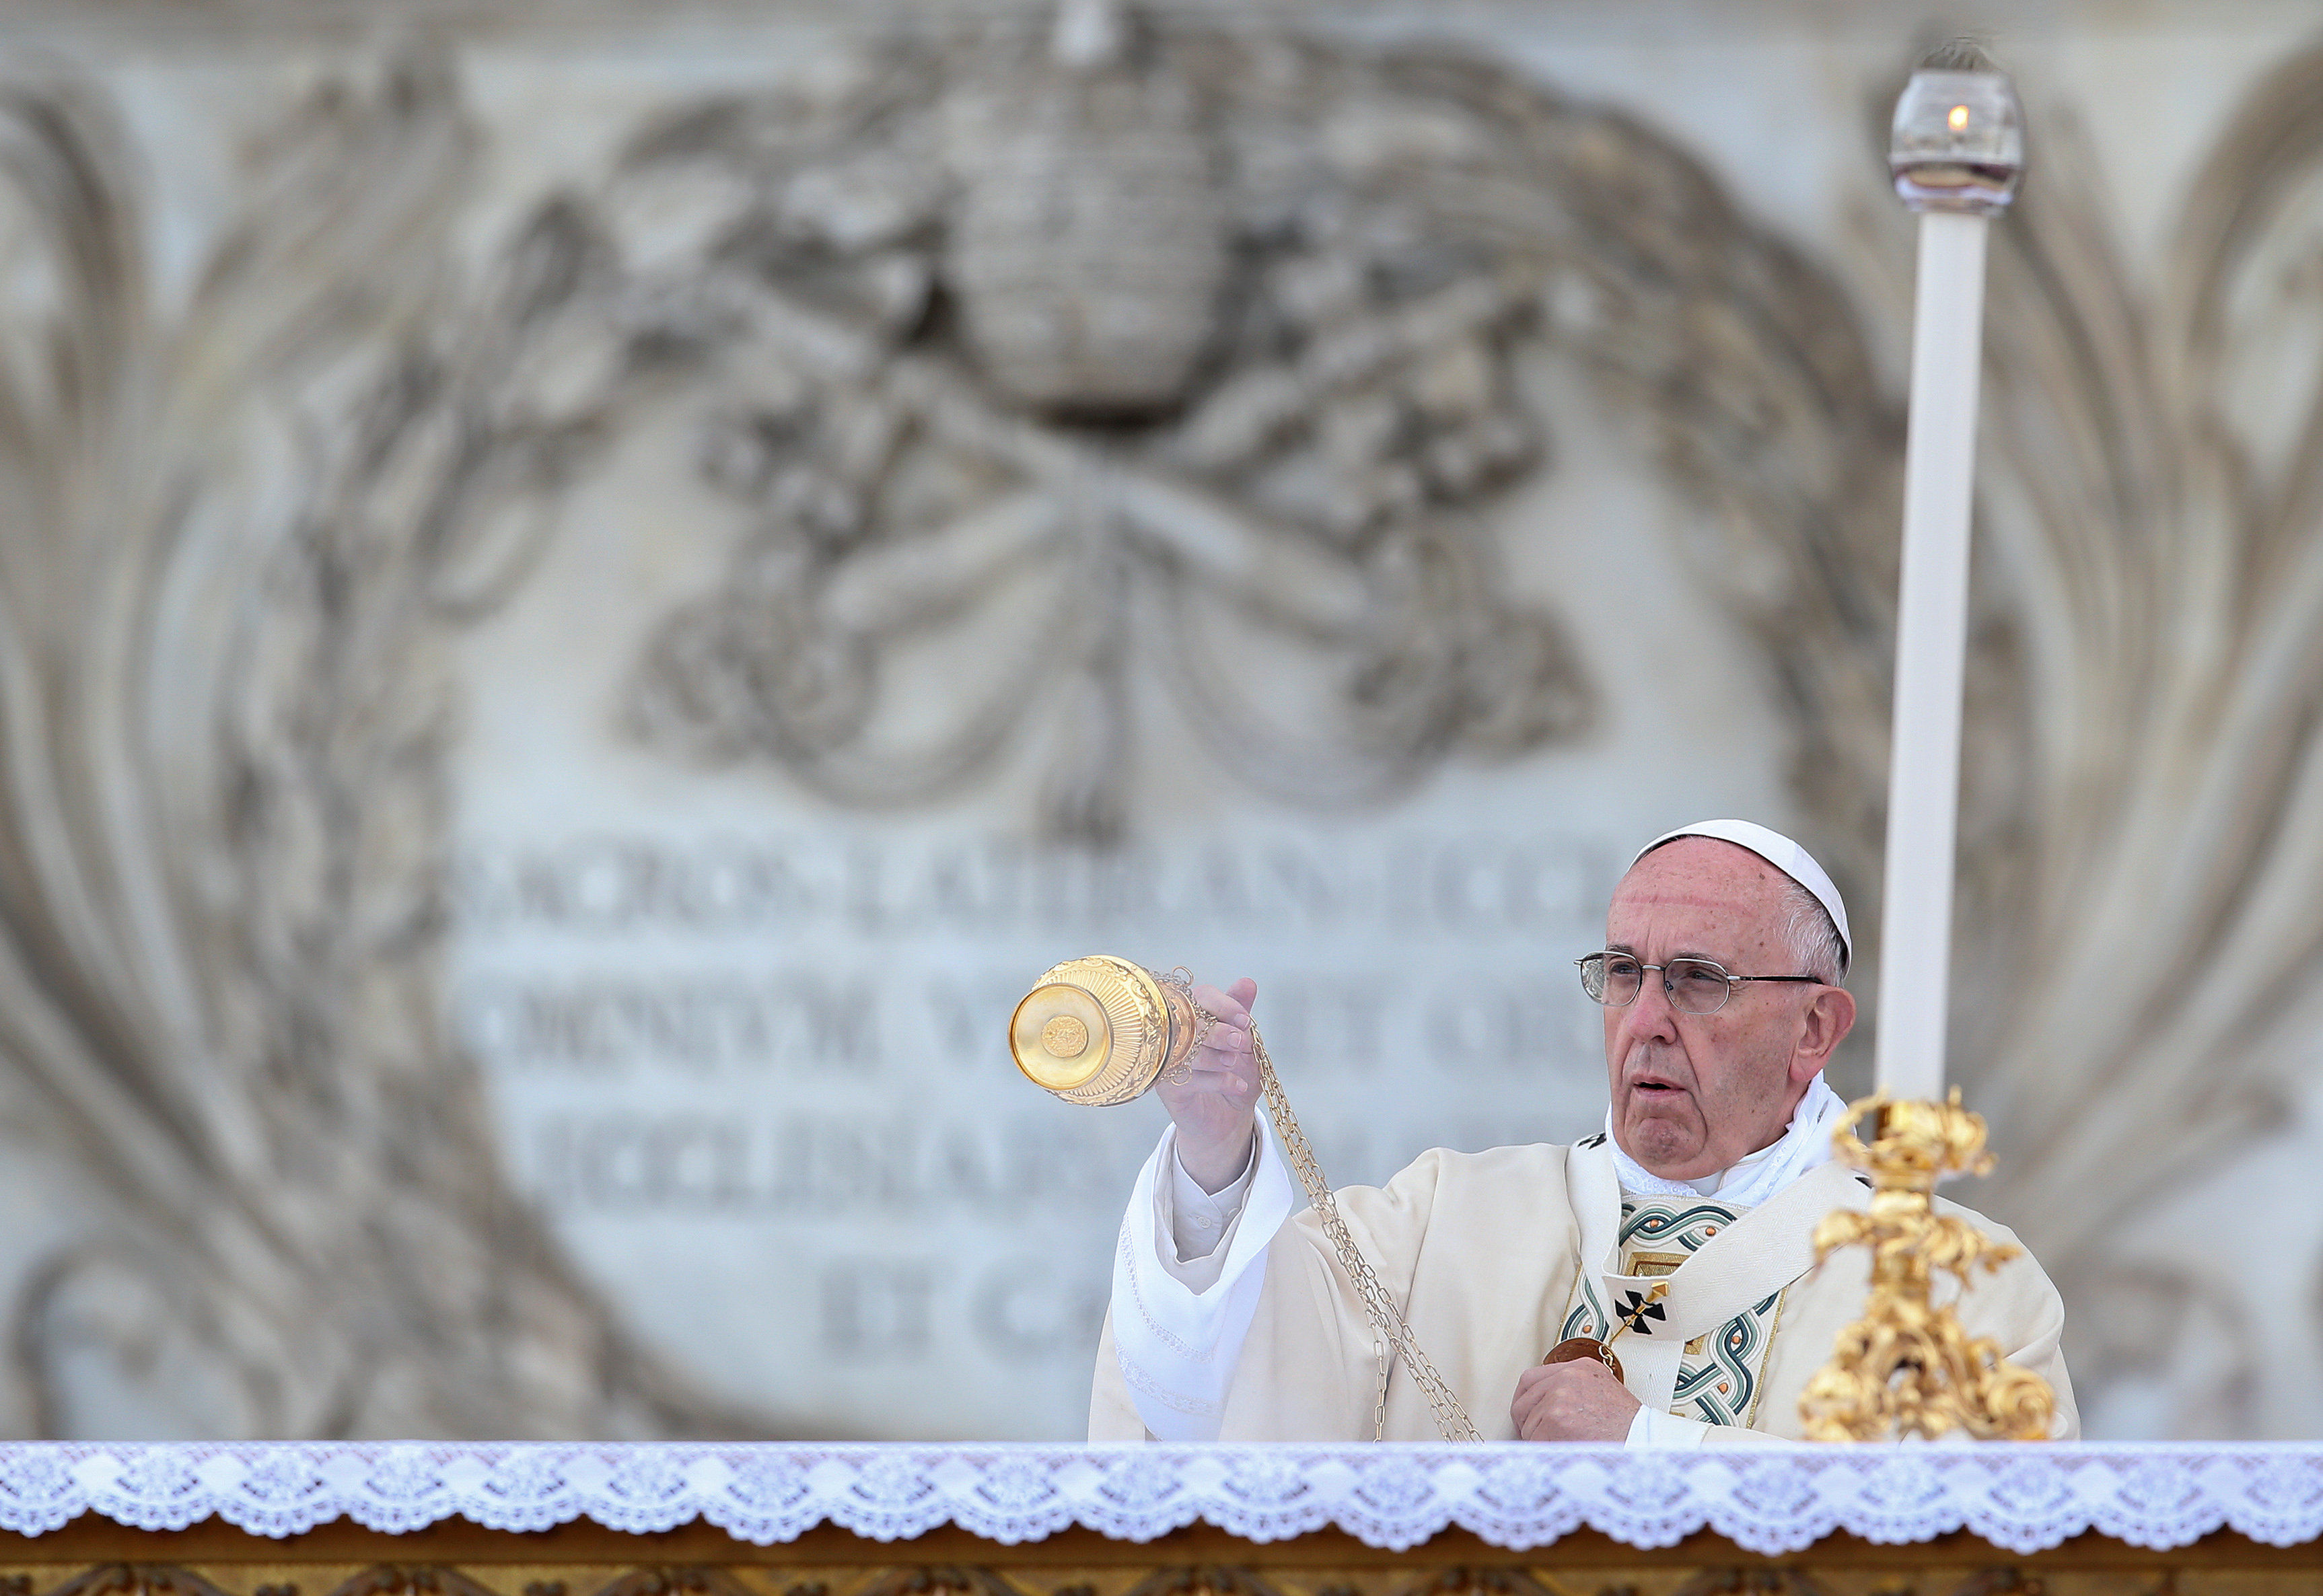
{"points": [[590, 590]]}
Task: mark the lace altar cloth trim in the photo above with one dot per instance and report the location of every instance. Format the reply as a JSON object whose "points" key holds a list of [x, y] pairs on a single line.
{"points": [[2018, 1498]]}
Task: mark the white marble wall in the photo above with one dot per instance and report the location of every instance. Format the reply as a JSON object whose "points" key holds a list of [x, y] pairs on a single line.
{"points": [[740, 1043]]}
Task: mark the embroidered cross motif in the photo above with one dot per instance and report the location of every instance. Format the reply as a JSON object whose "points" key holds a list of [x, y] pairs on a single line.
{"points": [[1719, 1370], [1642, 1306]]}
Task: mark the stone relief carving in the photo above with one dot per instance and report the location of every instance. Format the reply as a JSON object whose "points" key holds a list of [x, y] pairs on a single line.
{"points": [[236, 536], [952, 381], [1099, 337], [2156, 497], [224, 875]]}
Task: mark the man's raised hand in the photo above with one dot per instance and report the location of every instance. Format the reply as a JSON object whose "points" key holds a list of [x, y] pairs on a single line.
{"points": [[1214, 1108]]}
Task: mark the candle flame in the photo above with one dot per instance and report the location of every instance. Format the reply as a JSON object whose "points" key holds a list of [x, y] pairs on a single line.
{"points": [[1956, 118]]}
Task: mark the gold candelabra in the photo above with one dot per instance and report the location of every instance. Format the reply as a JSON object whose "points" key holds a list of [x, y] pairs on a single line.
{"points": [[1906, 1367]]}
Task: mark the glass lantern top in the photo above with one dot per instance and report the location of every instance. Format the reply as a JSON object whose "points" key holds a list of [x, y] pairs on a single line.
{"points": [[1957, 143]]}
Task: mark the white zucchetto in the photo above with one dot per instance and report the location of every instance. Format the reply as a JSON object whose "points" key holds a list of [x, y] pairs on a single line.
{"points": [[1786, 856]]}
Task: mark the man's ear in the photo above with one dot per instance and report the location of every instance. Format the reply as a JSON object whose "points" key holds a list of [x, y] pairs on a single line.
{"points": [[1829, 1015]]}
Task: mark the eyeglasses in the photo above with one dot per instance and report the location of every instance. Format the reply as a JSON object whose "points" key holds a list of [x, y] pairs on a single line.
{"points": [[1694, 985]]}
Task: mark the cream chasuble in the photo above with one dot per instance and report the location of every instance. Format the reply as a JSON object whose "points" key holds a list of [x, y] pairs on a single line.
{"points": [[1486, 1252]]}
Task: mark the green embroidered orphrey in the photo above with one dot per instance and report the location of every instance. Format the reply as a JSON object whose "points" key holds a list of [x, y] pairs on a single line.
{"points": [[1718, 1374]]}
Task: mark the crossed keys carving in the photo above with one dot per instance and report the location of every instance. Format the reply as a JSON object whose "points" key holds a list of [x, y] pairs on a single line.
{"points": [[1274, 546]]}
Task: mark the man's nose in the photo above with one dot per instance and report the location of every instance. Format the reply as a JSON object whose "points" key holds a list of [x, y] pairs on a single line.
{"points": [[1650, 1018]]}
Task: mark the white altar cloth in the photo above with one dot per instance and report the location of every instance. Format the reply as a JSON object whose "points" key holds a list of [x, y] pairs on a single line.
{"points": [[2021, 1498]]}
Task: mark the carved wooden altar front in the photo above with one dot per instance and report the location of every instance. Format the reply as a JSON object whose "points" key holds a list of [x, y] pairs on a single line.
{"points": [[93, 1558]]}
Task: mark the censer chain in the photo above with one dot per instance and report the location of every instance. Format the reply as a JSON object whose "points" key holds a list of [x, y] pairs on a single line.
{"points": [[1452, 1420]]}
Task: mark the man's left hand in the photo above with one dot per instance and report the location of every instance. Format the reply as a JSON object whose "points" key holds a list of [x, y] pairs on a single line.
{"points": [[1574, 1401]]}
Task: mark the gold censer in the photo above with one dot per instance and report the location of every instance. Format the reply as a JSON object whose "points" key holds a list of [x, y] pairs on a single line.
{"points": [[1100, 1030]]}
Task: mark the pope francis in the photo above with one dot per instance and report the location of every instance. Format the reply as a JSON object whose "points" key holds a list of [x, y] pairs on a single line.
{"points": [[1679, 1236]]}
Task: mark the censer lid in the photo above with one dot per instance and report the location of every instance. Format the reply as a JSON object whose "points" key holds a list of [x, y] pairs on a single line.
{"points": [[1060, 1036]]}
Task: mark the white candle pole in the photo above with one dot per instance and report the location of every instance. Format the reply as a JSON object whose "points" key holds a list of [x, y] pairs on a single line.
{"points": [[1956, 149]]}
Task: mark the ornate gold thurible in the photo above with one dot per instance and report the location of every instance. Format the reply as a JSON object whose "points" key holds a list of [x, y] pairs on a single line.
{"points": [[1101, 1030], [1906, 1368]]}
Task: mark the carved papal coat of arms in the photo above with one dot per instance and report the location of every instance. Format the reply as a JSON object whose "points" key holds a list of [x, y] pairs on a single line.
{"points": [[1140, 382]]}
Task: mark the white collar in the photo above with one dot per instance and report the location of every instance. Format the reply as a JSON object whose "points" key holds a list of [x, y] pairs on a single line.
{"points": [[1804, 1143]]}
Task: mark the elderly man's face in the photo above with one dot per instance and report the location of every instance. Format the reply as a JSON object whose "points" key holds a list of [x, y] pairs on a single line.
{"points": [[1695, 1093]]}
